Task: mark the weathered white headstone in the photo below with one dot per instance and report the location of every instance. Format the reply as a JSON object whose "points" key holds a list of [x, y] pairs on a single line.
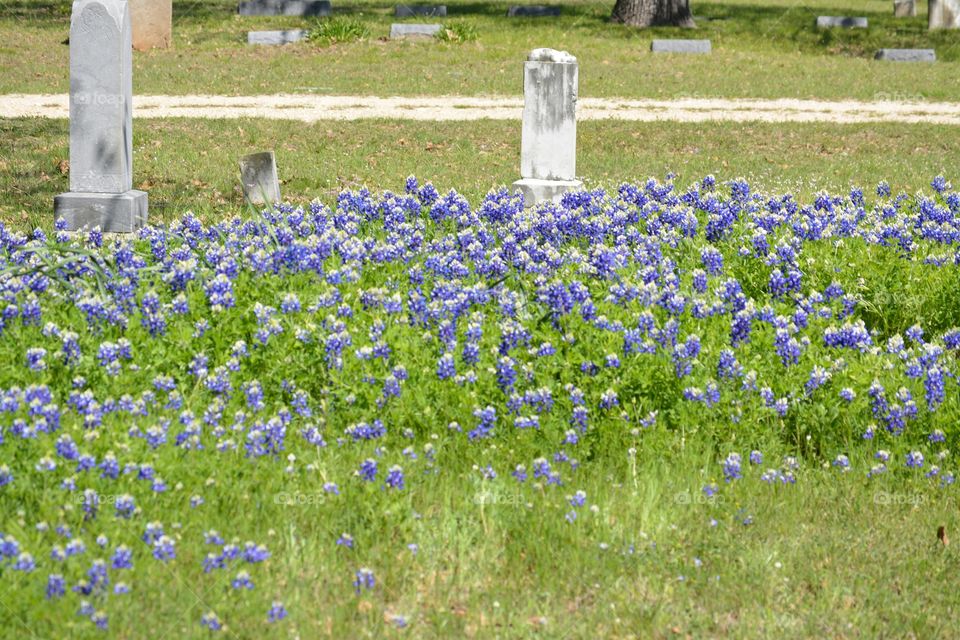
{"points": [[904, 8], [413, 31], [152, 22], [943, 14], [101, 121], [258, 174], [548, 144]]}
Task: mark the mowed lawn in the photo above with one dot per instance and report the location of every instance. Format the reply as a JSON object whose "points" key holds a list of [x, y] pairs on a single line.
{"points": [[768, 50]]}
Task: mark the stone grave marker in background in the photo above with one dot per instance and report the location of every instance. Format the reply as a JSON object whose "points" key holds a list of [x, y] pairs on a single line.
{"points": [[258, 175], [285, 8], [277, 37], [680, 46], [548, 144], [152, 23], [413, 31], [943, 14], [101, 122], [907, 55], [845, 22], [904, 8], [533, 11], [411, 10]]}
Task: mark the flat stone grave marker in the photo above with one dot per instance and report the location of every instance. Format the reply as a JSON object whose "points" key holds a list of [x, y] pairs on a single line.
{"points": [[258, 175], [152, 23], [844, 22], [680, 46], [548, 143], [907, 55], [285, 8], [276, 37], [101, 122], [904, 8], [398, 31], [943, 14], [411, 10], [533, 11]]}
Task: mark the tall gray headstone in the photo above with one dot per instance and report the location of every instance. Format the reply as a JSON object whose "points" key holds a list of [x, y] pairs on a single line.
{"points": [[258, 175], [101, 122], [943, 14], [548, 144]]}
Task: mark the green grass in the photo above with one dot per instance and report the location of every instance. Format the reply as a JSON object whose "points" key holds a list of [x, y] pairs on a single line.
{"points": [[771, 50], [191, 164]]}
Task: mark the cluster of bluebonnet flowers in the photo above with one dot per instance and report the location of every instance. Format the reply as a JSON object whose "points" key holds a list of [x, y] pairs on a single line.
{"points": [[307, 334]]}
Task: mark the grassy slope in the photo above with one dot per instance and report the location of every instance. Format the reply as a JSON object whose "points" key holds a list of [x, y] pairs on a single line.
{"points": [[770, 50], [191, 164]]}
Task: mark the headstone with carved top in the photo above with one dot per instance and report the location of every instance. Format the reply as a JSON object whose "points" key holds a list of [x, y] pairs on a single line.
{"points": [[101, 122]]}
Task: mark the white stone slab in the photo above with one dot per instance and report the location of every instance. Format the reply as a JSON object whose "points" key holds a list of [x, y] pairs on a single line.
{"points": [[277, 37], [845, 22], [680, 46], [285, 8], [258, 175], [907, 55], [414, 31]]}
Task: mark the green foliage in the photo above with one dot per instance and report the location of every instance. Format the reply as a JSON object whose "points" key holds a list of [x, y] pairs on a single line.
{"points": [[338, 30], [458, 32]]}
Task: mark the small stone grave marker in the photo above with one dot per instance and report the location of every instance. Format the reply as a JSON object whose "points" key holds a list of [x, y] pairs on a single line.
{"points": [[943, 14], [258, 175], [285, 8], [844, 22], [411, 10], [398, 31], [680, 46], [907, 55], [152, 23], [533, 11], [904, 8], [276, 37]]}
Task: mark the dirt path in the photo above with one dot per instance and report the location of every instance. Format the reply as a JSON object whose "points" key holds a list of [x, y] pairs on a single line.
{"points": [[312, 108]]}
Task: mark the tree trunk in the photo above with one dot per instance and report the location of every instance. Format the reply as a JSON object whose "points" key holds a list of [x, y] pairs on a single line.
{"points": [[653, 13]]}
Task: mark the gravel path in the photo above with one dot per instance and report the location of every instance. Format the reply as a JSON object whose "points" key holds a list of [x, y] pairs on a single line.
{"points": [[312, 108]]}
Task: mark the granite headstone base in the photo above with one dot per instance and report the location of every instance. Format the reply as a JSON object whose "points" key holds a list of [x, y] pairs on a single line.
{"points": [[907, 55], [680, 46], [276, 37], [413, 31], [536, 191], [112, 212], [533, 11], [285, 8], [412, 10], [844, 22]]}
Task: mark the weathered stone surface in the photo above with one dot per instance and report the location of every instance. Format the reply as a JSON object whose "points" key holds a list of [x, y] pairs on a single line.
{"points": [[258, 174], [548, 149], [680, 46], [285, 8], [943, 14], [414, 30], [907, 55], [101, 120], [535, 191], [846, 22], [411, 10], [276, 37], [152, 23], [112, 212], [904, 8], [533, 11]]}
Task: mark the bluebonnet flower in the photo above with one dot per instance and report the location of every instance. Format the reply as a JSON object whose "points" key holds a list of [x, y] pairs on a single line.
{"points": [[364, 580], [242, 581], [914, 459], [277, 612], [395, 478], [731, 467], [368, 470]]}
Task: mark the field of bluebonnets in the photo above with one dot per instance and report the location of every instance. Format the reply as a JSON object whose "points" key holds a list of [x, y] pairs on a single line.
{"points": [[625, 415]]}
